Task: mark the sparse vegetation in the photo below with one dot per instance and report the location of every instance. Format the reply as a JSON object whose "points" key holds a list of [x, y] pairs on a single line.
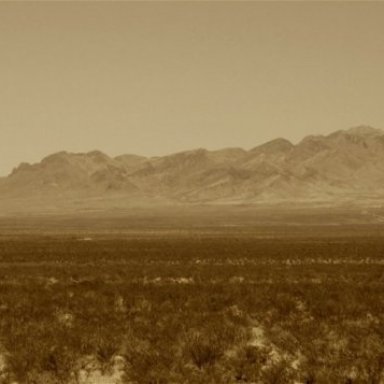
{"points": [[192, 309]]}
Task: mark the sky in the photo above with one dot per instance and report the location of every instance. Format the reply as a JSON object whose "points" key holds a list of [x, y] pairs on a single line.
{"points": [[154, 78]]}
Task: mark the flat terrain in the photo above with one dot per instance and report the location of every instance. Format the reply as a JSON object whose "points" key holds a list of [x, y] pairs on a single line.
{"points": [[86, 300]]}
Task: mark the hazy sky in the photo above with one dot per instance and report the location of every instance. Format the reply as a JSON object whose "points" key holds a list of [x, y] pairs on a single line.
{"points": [[156, 78]]}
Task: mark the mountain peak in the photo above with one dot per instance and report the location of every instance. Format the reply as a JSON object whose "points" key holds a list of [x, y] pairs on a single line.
{"points": [[279, 144], [98, 156], [56, 157], [364, 130]]}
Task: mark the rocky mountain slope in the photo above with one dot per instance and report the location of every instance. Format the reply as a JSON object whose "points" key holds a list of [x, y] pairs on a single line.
{"points": [[345, 165]]}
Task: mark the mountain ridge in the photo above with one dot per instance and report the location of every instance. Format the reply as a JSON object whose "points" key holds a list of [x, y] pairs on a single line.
{"points": [[345, 165]]}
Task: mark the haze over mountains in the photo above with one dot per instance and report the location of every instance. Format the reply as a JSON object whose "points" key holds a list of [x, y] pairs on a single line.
{"points": [[347, 165]]}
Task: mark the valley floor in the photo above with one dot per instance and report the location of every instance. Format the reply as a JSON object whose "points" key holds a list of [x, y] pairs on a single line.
{"points": [[167, 304]]}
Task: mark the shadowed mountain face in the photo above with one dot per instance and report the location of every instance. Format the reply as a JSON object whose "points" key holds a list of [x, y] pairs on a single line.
{"points": [[345, 165]]}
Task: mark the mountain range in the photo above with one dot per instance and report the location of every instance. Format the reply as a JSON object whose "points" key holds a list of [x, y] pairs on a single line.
{"points": [[344, 166]]}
